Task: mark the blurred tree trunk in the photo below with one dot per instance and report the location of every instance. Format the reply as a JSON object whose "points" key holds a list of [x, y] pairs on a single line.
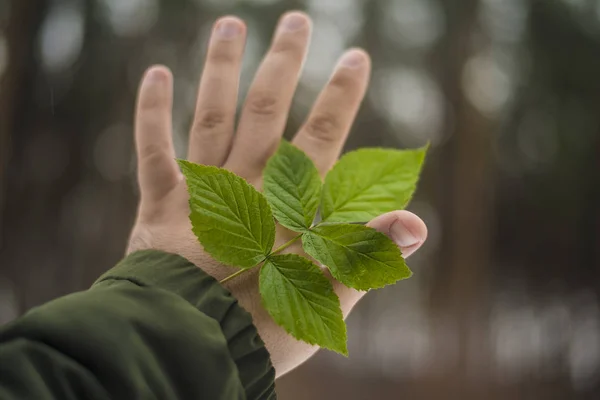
{"points": [[16, 85], [59, 217], [464, 254], [463, 197], [20, 31], [62, 216]]}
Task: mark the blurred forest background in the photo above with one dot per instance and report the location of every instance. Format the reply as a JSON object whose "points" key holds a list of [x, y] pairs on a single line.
{"points": [[504, 302]]}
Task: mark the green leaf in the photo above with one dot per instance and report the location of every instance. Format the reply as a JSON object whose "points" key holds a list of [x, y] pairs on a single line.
{"points": [[231, 219], [301, 300], [369, 182], [358, 256], [292, 187]]}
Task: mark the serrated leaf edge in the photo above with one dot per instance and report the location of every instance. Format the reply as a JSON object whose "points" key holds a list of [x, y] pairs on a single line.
{"points": [[343, 351]]}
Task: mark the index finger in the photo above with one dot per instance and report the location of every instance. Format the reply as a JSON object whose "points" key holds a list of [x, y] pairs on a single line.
{"points": [[323, 135]]}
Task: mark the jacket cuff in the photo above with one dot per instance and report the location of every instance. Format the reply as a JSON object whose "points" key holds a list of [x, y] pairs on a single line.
{"points": [[171, 272]]}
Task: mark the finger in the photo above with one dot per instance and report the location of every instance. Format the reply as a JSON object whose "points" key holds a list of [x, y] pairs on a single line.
{"points": [[157, 170], [269, 99], [212, 130], [326, 129], [403, 227]]}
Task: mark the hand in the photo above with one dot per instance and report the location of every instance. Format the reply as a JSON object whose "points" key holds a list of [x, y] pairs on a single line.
{"points": [[162, 220]]}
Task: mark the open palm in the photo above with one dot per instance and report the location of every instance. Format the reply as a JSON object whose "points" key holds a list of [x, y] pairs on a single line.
{"points": [[162, 221]]}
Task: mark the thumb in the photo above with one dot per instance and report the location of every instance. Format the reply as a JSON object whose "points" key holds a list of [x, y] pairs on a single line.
{"points": [[406, 229], [403, 227]]}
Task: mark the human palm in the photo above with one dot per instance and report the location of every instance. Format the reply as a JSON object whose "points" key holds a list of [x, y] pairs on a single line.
{"points": [[162, 222]]}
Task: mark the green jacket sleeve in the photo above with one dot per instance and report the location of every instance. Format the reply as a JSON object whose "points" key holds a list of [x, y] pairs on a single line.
{"points": [[153, 327]]}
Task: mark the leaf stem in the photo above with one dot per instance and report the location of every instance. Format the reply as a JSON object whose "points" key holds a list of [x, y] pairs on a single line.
{"points": [[341, 223], [230, 277], [277, 250], [286, 245]]}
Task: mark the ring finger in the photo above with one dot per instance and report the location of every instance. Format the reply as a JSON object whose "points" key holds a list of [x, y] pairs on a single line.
{"points": [[212, 131]]}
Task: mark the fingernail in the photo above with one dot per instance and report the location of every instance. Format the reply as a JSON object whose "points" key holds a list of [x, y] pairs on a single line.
{"points": [[402, 236], [352, 59], [228, 28], [293, 22], [155, 75]]}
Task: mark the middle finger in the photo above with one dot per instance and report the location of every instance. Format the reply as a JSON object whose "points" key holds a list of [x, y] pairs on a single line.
{"points": [[266, 108]]}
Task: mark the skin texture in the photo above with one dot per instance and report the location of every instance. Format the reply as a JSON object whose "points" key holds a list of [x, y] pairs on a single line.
{"points": [[162, 221]]}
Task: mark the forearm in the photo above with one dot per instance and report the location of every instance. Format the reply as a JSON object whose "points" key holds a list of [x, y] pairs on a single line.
{"points": [[155, 325]]}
